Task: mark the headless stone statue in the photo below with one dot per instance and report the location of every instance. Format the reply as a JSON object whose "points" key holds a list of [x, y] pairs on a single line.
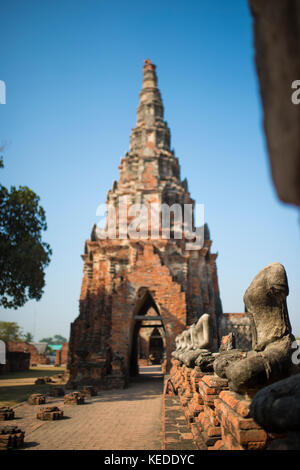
{"points": [[183, 343], [270, 358], [277, 407], [202, 341], [179, 345], [187, 342]]}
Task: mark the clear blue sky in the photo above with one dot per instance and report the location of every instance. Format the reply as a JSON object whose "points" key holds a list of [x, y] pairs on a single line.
{"points": [[73, 71]]}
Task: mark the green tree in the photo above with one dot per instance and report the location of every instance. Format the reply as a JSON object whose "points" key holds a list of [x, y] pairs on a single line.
{"points": [[23, 255], [10, 331], [58, 339], [46, 340], [28, 337]]}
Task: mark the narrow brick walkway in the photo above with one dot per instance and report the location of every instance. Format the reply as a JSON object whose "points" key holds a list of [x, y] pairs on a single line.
{"points": [[176, 434], [128, 419]]}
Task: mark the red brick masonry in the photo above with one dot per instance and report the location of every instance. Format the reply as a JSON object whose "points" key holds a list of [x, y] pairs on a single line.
{"points": [[217, 417]]}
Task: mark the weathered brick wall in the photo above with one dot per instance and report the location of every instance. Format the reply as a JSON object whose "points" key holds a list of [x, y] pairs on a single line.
{"points": [[21, 346], [61, 357], [15, 360], [64, 353], [149, 273]]}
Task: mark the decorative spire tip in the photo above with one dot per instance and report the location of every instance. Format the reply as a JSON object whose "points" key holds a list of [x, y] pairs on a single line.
{"points": [[148, 65]]}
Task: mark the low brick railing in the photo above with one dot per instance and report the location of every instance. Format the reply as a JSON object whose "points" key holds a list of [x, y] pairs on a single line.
{"points": [[218, 418]]}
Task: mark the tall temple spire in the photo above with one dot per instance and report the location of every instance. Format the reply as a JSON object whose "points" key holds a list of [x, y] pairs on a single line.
{"points": [[150, 78], [151, 131], [150, 172]]}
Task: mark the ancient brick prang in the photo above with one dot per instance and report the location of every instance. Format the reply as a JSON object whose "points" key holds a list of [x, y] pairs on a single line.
{"points": [[127, 279]]}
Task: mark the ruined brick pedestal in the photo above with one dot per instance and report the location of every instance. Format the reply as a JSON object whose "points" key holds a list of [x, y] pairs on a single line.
{"points": [[50, 413], [74, 398], [43, 380], [176, 375], [238, 430], [36, 399], [206, 429], [195, 405], [40, 382], [89, 391], [6, 413], [57, 392], [48, 380], [59, 378], [186, 392], [11, 437]]}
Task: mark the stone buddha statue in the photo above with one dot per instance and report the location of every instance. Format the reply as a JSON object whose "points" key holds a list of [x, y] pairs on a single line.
{"points": [[270, 357], [179, 345], [186, 342], [202, 341], [183, 343]]}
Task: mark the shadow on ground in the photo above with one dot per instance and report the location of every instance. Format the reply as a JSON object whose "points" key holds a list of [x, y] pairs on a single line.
{"points": [[150, 379]]}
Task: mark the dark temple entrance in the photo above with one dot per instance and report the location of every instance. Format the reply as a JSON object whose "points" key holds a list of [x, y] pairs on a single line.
{"points": [[156, 347], [148, 341]]}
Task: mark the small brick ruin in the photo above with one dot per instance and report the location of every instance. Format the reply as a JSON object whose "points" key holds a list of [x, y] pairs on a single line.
{"points": [[89, 391], [50, 413], [6, 413], [15, 361], [11, 437], [20, 356], [36, 399], [61, 357], [43, 381], [74, 398]]}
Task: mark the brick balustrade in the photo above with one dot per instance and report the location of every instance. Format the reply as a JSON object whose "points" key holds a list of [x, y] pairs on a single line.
{"points": [[218, 418]]}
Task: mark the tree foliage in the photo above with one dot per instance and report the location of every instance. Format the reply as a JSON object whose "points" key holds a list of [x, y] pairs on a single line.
{"points": [[23, 255], [46, 340], [56, 339], [28, 337], [10, 331]]}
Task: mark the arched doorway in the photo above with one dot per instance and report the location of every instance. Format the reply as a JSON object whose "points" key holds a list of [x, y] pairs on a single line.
{"points": [[156, 347], [148, 333]]}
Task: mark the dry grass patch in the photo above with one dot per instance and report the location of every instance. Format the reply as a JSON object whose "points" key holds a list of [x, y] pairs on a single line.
{"points": [[16, 387]]}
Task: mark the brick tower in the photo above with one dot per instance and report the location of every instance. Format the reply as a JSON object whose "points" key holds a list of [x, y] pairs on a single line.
{"points": [[130, 283]]}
